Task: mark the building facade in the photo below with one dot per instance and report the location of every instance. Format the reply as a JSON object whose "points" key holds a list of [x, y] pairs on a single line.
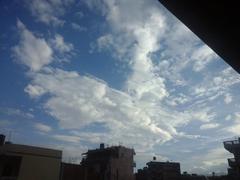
{"points": [[71, 171], [21, 162], [159, 171], [234, 163], [111, 163]]}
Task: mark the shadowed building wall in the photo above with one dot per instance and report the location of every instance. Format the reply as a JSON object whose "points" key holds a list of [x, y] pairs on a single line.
{"points": [[112, 163], [160, 171], [234, 163], [23, 162]]}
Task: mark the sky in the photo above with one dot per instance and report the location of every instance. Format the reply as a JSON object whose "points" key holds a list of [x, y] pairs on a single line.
{"points": [[77, 73]]}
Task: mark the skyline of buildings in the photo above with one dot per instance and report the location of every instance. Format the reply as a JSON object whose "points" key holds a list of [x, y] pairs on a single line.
{"points": [[23, 162]]}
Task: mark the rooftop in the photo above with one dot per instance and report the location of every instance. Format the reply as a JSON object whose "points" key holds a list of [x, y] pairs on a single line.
{"points": [[30, 150]]}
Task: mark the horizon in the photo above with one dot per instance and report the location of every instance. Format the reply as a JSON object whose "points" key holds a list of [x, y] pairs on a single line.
{"points": [[75, 74]]}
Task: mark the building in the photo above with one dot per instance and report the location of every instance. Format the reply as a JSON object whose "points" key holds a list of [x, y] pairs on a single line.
{"points": [[234, 163], [21, 162], [111, 163], [159, 171], [71, 172]]}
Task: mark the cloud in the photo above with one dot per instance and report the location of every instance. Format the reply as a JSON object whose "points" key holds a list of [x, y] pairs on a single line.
{"points": [[78, 101], [49, 11], [14, 112], [77, 27], [204, 115], [209, 126], [66, 138], [60, 45], [216, 85], [215, 160], [42, 127], [202, 56], [32, 51], [34, 91], [228, 98], [228, 117], [233, 128], [79, 14], [137, 38]]}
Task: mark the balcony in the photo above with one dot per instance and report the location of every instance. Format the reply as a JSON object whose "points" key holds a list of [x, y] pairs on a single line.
{"points": [[232, 146], [232, 162]]}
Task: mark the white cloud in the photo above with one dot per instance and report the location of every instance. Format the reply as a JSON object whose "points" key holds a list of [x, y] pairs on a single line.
{"points": [[234, 127], [202, 56], [49, 11], [34, 91], [204, 114], [136, 36], [215, 160], [32, 51], [67, 138], [77, 27], [42, 127], [79, 101], [228, 117], [216, 85], [228, 98], [16, 112], [60, 45], [105, 42], [209, 126]]}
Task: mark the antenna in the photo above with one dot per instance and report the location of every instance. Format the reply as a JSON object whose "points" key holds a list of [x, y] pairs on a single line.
{"points": [[9, 136]]}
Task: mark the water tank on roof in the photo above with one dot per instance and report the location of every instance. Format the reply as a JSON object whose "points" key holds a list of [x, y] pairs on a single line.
{"points": [[102, 146], [2, 139]]}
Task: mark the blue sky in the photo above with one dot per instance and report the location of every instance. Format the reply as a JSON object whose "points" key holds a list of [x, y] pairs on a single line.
{"points": [[77, 73]]}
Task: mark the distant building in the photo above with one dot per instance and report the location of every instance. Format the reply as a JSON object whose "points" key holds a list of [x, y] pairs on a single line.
{"points": [[111, 163], [71, 172], [234, 163], [21, 162], [159, 171]]}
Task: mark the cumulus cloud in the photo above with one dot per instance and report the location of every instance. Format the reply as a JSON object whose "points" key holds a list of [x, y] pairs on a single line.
{"points": [[34, 91], [32, 51], [137, 38], [234, 127], [78, 101], [60, 45], [42, 127], [49, 11]]}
